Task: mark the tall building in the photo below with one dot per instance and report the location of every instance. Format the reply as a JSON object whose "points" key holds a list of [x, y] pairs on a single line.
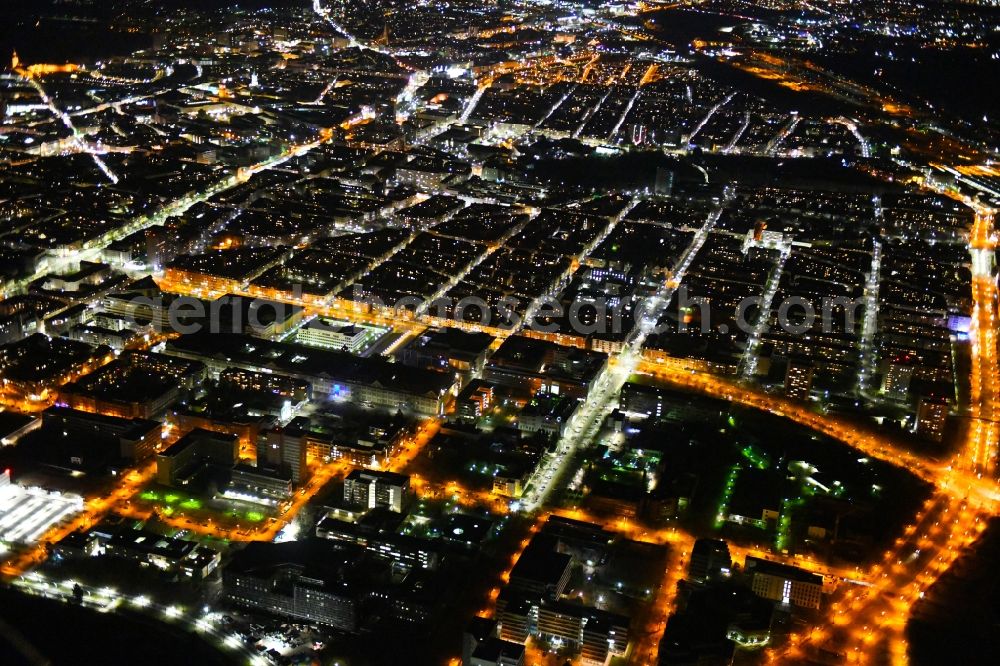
{"points": [[596, 634], [932, 416], [664, 403], [449, 349], [474, 400], [478, 630], [342, 335], [517, 617], [376, 533], [180, 461], [783, 583], [370, 444], [372, 489], [497, 652], [897, 378], [639, 134], [664, 184], [482, 646], [287, 452], [137, 438], [709, 558], [158, 251], [296, 579], [541, 573], [798, 379]]}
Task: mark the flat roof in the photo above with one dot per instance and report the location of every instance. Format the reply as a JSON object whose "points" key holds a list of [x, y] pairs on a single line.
{"points": [[388, 477], [11, 422], [130, 426], [787, 571], [193, 437], [539, 564], [303, 360]]}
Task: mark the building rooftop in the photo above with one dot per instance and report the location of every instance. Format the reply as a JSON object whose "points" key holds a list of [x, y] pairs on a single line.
{"points": [[11, 422], [193, 438], [787, 571], [307, 361], [540, 565], [368, 475]]}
